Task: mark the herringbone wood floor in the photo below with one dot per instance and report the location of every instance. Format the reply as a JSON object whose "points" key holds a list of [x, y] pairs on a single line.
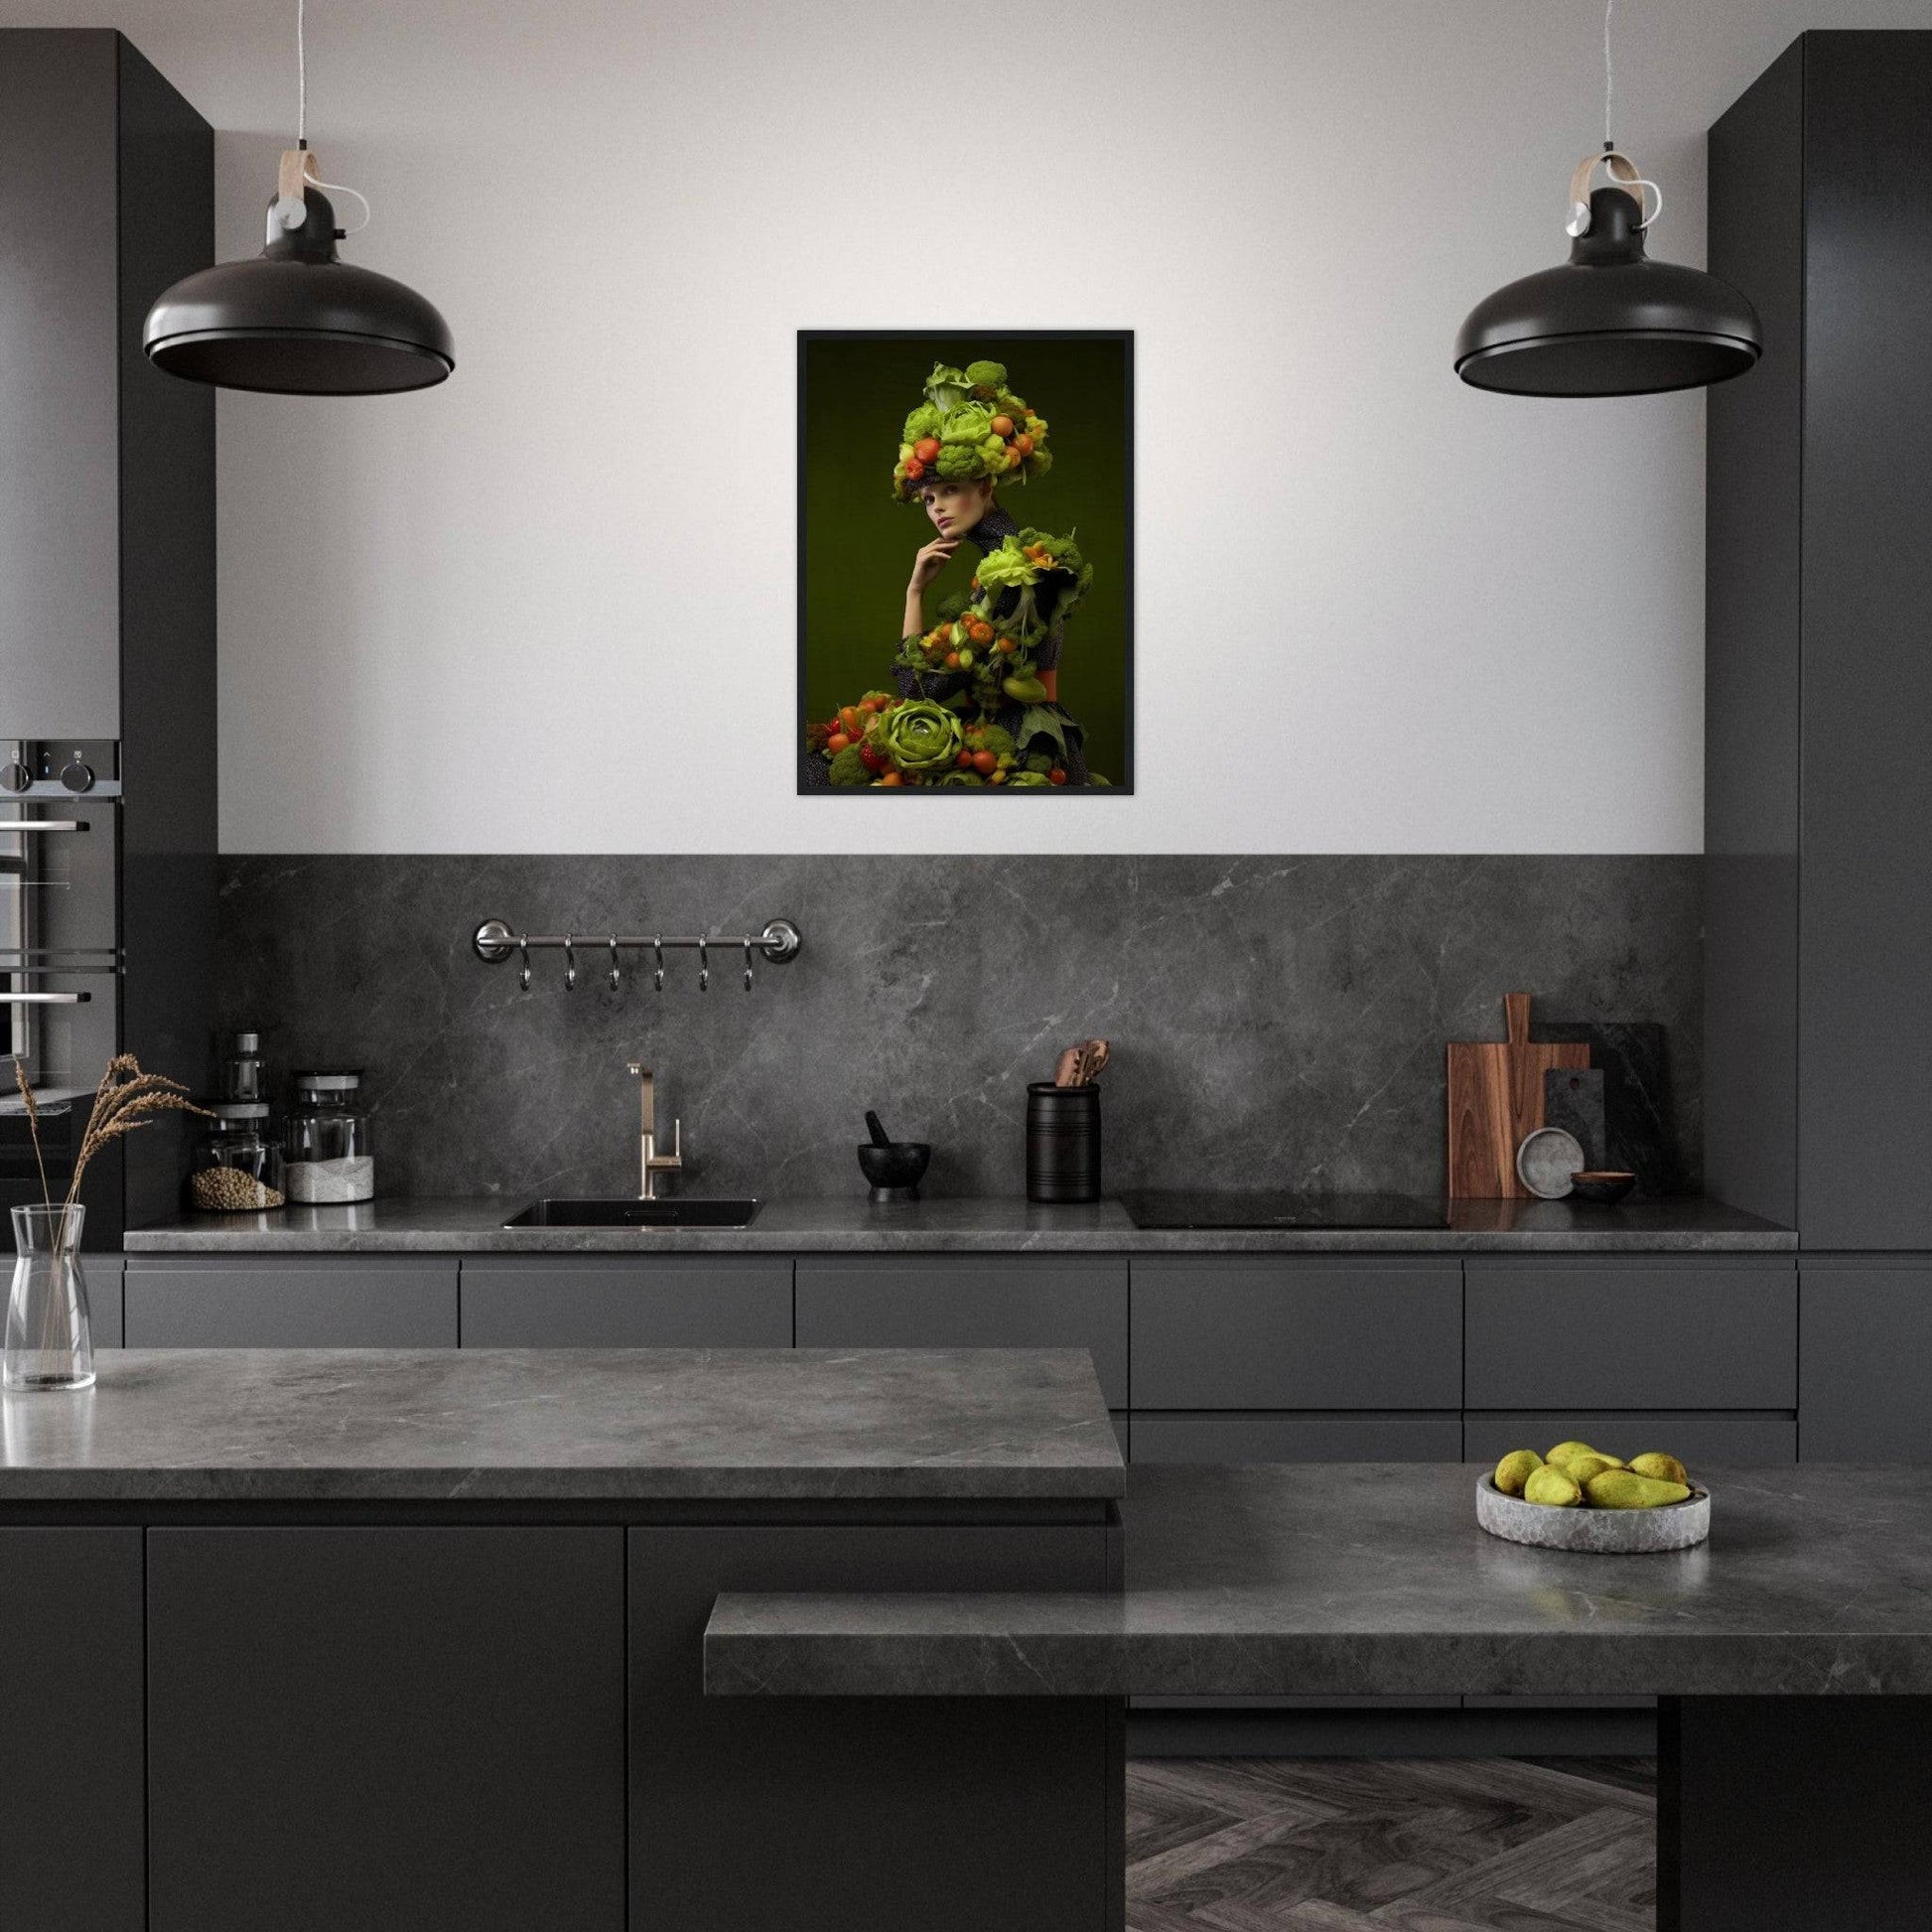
{"points": [[1388, 1844]]}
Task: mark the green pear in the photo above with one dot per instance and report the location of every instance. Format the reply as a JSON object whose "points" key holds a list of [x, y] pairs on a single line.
{"points": [[1622, 1489], [1515, 1470], [1664, 1469], [1579, 1469], [1565, 1451], [1550, 1485]]}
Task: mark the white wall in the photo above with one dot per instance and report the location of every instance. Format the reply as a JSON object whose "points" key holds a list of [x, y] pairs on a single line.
{"points": [[549, 607]]}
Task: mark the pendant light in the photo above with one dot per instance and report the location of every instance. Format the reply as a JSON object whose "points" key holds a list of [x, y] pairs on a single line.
{"points": [[296, 320], [1609, 322]]}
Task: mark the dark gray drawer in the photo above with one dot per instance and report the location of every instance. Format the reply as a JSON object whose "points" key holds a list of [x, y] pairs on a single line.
{"points": [[961, 1301], [275, 1302], [1696, 1438], [1267, 1332], [1865, 1392], [1297, 1438], [1655, 1334], [618, 1301]]}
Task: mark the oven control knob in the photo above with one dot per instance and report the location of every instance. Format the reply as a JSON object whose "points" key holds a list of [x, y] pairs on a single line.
{"points": [[15, 777], [78, 777]]}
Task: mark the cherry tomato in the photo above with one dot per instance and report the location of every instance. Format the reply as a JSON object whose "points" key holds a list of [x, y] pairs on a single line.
{"points": [[926, 449], [983, 762], [1024, 443], [891, 778], [875, 760], [852, 720], [837, 742], [914, 469], [964, 760], [1002, 425], [1008, 645], [952, 660], [1056, 776]]}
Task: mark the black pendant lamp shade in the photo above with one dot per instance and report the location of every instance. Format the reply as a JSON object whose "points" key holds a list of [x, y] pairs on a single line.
{"points": [[297, 319], [1609, 321]]}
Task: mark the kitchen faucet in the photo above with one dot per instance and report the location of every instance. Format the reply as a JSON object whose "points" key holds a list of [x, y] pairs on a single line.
{"points": [[650, 1163]]}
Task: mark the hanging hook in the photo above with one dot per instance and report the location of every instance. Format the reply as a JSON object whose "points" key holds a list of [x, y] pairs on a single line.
{"points": [[748, 965], [704, 966], [523, 946], [617, 971], [657, 947], [570, 963]]}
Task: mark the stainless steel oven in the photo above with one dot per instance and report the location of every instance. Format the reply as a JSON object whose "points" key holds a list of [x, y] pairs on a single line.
{"points": [[61, 962]]}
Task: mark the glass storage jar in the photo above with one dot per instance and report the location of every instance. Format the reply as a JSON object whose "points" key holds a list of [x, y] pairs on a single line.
{"points": [[242, 1067], [328, 1140], [238, 1163]]}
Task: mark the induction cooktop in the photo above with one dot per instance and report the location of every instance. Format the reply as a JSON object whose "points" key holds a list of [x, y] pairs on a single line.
{"points": [[1160, 1208]]}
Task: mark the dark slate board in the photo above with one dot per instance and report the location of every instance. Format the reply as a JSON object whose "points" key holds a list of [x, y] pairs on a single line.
{"points": [[1636, 1097], [1573, 1099]]}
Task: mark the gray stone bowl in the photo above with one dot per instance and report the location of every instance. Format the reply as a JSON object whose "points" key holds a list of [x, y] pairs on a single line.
{"points": [[1602, 1532]]}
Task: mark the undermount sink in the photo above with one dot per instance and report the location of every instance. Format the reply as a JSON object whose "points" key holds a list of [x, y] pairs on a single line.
{"points": [[630, 1212]]}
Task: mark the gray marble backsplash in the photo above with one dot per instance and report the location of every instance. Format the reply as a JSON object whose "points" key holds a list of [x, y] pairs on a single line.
{"points": [[1275, 1023]]}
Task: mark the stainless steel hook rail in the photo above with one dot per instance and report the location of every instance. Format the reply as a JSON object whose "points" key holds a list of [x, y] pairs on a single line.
{"points": [[495, 941]]}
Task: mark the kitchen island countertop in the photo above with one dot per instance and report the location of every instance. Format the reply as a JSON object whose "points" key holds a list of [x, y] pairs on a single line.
{"points": [[1373, 1580], [564, 1426], [964, 1225]]}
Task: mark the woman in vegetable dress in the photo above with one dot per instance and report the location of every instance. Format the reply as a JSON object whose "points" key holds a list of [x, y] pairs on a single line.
{"points": [[977, 701]]}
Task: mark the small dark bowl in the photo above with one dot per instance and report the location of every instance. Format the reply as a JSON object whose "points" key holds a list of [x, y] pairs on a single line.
{"points": [[895, 1171], [1602, 1186]]}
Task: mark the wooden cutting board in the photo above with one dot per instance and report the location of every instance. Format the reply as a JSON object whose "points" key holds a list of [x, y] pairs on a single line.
{"points": [[1495, 1097]]}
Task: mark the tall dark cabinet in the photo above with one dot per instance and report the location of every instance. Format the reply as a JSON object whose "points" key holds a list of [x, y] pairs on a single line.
{"points": [[1819, 740], [107, 692]]}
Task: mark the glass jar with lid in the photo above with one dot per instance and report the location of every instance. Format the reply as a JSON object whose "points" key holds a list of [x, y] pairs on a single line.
{"points": [[237, 1164], [240, 1071], [328, 1139]]}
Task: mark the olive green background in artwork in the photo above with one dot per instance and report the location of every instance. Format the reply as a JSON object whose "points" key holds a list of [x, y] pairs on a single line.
{"points": [[858, 543]]}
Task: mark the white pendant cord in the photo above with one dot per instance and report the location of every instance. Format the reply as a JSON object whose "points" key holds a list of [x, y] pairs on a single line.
{"points": [[1609, 73], [290, 212]]}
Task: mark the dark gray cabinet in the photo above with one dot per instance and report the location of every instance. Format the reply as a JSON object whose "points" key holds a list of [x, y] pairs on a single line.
{"points": [[1865, 1363], [103, 1274], [960, 1301], [378, 1727], [294, 1302], [1698, 1435], [1818, 1090], [72, 1848], [625, 1301], [809, 1814], [1548, 1332], [1261, 1333], [1233, 1437]]}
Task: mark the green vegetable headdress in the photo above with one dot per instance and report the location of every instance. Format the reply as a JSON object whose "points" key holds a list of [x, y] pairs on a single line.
{"points": [[970, 425]]}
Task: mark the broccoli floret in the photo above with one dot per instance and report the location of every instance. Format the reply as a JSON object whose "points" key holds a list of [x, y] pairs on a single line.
{"points": [[1040, 762], [849, 768], [990, 738], [990, 377], [923, 421]]}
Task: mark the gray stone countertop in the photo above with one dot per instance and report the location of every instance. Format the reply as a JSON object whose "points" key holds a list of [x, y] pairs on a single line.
{"points": [[300, 1425], [962, 1227], [1373, 1580]]}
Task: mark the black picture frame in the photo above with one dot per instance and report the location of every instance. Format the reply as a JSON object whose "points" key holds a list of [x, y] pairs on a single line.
{"points": [[1121, 787]]}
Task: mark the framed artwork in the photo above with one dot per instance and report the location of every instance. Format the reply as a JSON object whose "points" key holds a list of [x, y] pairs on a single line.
{"points": [[965, 562]]}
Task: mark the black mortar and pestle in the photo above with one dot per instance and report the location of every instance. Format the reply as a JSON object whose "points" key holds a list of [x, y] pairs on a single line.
{"points": [[893, 1167]]}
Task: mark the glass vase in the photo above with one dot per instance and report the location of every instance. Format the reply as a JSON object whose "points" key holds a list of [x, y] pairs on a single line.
{"points": [[50, 1339]]}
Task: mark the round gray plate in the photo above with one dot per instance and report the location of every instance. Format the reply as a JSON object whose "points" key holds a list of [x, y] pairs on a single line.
{"points": [[1606, 1532], [1546, 1161]]}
